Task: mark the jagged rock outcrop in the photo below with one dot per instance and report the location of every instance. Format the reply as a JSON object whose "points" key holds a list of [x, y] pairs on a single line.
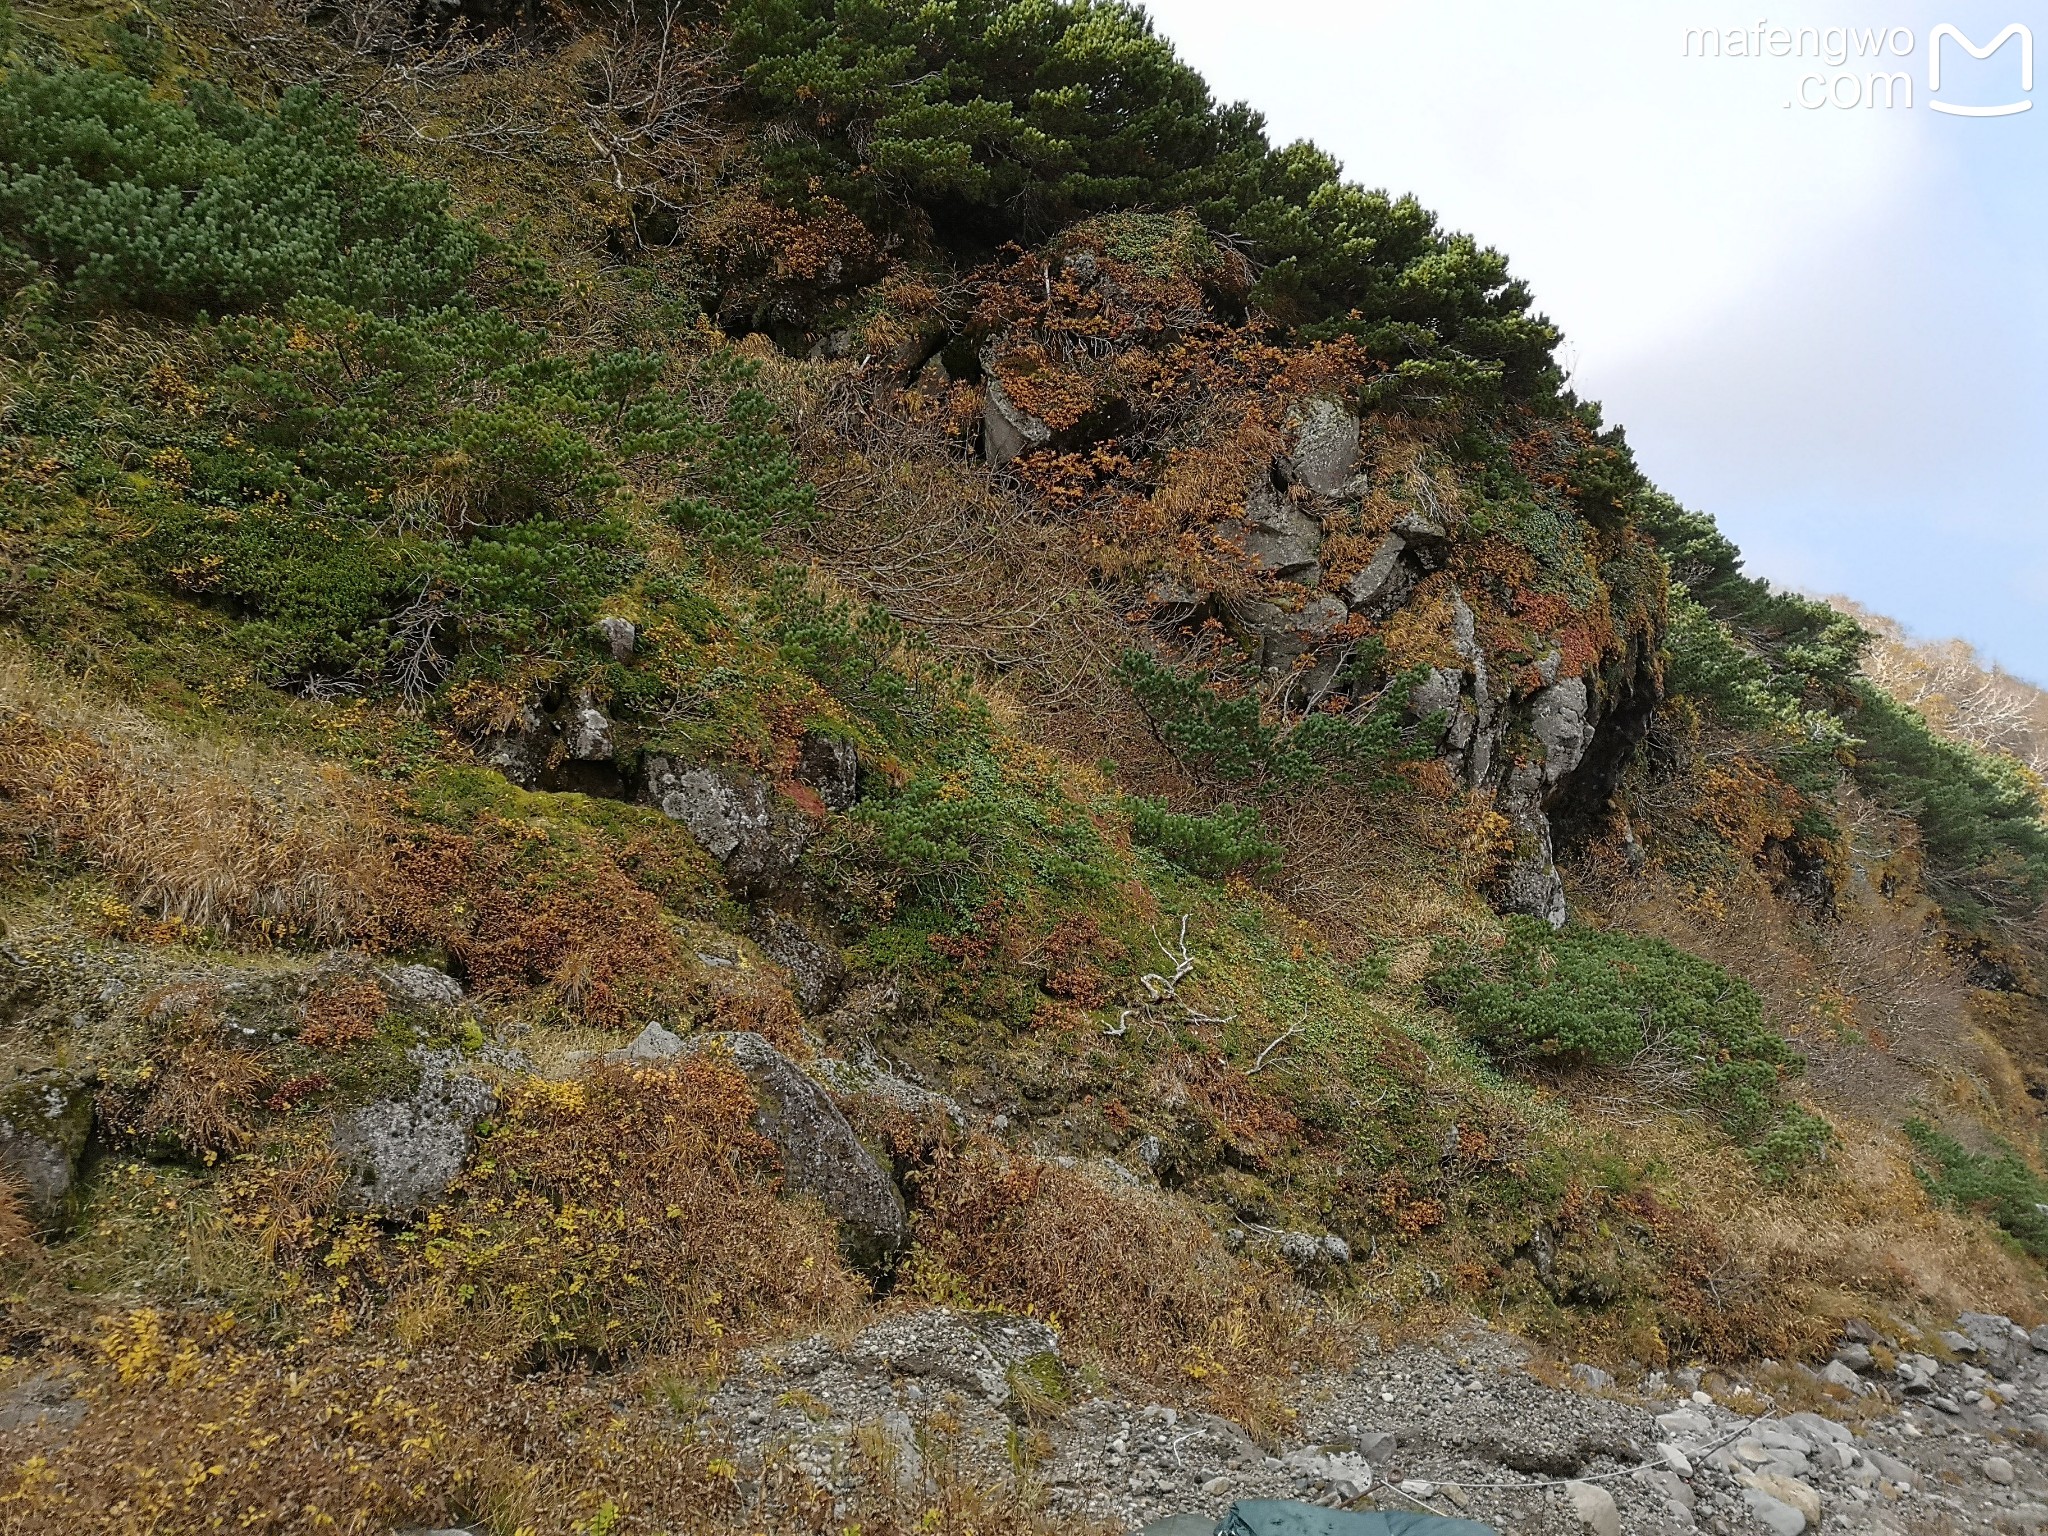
{"points": [[820, 1153], [1519, 734], [735, 817]]}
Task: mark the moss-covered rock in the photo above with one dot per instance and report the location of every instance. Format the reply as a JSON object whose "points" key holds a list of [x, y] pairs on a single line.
{"points": [[45, 1125]]}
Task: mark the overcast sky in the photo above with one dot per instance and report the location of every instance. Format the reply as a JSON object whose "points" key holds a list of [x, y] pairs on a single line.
{"points": [[1826, 326]]}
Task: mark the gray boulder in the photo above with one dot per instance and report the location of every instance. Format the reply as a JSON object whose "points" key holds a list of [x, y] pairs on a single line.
{"points": [[1378, 588], [45, 1123], [820, 1154], [1283, 539], [2001, 1343], [737, 818], [1425, 535], [620, 637], [816, 971], [1325, 447], [653, 1043], [400, 1153], [1007, 431]]}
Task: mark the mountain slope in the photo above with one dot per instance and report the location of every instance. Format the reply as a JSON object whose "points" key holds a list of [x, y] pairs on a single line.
{"points": [[577, 574]]}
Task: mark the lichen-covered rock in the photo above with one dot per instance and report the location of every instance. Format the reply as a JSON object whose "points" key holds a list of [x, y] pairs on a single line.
{"points": [[1558, 720], [736, 818], [816, 971], [402, 1152], [420, 986], [520, 751], [1530, 883], [587, 732], [820, 1154], [1325, 448], [45, 1123]]}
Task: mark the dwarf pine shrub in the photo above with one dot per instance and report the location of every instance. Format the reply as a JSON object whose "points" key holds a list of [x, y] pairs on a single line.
{"points": [[1996, 1185], [1583, 997], [203, 204], [1222, 734], [1216, 844]]}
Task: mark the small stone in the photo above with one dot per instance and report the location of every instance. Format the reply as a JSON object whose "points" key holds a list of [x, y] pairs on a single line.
{"points": [[619, 636], [1592, 1378], [1855, 1356], [1957, 1343], [1217, 1486], [1775, 1515], [1675, 1459], [2039, 1339], [653, 1043], [1789, 1491], [1595, 1508], [1857, 1331], [1417, 1487], [1998, 1470]]}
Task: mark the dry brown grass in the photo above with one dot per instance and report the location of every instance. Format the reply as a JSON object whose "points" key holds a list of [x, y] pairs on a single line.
{"points": [[520, 908], [1771, 1270], [17, 1232], [628, 1212], [257, 844], [194, 1096], [1136, 1278], [194, 1425]]}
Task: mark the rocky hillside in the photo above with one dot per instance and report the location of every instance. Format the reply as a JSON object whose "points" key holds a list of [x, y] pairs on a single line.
{"points": [[756, 758]]}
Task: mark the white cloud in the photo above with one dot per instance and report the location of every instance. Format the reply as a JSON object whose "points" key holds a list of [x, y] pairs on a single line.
{"points": [[1825, 327]]}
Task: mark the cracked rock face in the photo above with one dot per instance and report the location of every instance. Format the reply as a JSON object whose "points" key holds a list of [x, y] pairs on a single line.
{"points": [[816, 971], [736, 818], [1516, 733]]}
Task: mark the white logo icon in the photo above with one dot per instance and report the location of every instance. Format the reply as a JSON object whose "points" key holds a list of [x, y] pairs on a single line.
{"points": [[2026, 68]]}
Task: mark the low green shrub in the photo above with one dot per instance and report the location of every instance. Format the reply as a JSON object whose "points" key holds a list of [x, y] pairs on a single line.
{"points": [[1221, 733], [970, 826], [203, 204], [1216, 844], [1997, 1186], [1583, 997]]}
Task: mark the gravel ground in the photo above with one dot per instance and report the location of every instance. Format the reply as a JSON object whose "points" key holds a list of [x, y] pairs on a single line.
{"points": [[1939, 1445]]}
